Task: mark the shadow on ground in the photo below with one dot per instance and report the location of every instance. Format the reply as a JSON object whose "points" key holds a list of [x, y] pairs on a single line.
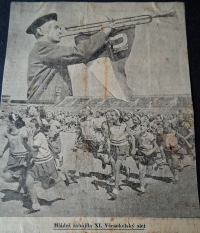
{"points": [[12, 195]]}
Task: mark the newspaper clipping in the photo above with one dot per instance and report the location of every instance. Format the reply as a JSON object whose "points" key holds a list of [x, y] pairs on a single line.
{"points": [[96, 120]]}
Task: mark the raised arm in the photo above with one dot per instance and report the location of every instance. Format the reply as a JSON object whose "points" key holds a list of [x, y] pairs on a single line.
{"points": [[61, 56], [191, 134], [179, 136]]}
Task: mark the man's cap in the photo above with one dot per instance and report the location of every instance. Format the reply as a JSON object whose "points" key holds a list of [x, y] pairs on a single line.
{"points": [[40, 21]]}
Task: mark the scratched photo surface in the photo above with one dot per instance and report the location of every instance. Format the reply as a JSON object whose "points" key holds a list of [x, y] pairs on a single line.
{"points": [[96, 114]]}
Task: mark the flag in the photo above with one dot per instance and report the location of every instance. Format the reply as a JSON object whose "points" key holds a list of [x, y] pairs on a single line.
{"points": [[108, 64]]}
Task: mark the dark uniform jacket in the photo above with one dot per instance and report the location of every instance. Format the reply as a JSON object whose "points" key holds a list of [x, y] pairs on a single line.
{"points": [[48, 76]]}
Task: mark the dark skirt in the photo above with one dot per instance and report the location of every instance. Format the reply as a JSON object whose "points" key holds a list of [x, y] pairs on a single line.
{"points": [[143, 159], [40, 171], [91, 145], [16, 166], [175, 155], [119, 152]]}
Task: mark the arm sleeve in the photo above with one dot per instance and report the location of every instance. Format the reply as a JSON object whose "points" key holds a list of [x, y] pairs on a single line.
{"points": [[62, 56]]}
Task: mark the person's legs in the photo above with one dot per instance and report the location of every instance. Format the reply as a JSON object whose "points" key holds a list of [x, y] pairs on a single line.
{"points": [[164, 159], [58, 151], [94, 148], [100, 141], [150, 169], [142, 172], [182, 152], [57, 163], [22, 180], [62, 176], [55, 147], [117, 173], [112, 162], [137, 163], [128, 171], [175, 165], [49, 182], [101, 157], [60, 159], [172, 162], [32, 192], [158, 160], [169, 161]]}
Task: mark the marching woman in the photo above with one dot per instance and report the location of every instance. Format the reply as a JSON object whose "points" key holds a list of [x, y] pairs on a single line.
{"points": [[88, 134], [119, 145], [42, 165], [105, 131], [173, 151], [136, 125], [146, 153], [54, 138], [16, 134], [98, 121]]}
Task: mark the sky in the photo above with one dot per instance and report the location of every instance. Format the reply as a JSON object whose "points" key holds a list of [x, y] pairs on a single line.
{"points": [[157, 65]]}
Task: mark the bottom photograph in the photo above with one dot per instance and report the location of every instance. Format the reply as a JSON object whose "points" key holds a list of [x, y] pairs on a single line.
{"points": [[93, 160]]}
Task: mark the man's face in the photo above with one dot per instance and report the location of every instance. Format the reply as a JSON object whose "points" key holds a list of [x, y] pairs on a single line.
{"points": [[33, 128], [32, 112], [108, 116], [49, 116], [146, 119], [135, 120], [143, 127], [166, 128], [53, 31], [114, 117], [180, 118], [158, 120], [127, 117]]}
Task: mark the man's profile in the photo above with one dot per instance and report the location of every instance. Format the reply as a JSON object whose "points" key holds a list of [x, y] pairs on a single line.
{"points": [[48, 77]]}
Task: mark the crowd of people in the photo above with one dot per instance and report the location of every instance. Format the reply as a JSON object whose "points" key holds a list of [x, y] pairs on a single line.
{"points": [[111, 135]]}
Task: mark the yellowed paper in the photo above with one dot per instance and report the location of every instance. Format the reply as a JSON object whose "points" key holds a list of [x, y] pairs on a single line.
{"points": [[96, 124]]}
